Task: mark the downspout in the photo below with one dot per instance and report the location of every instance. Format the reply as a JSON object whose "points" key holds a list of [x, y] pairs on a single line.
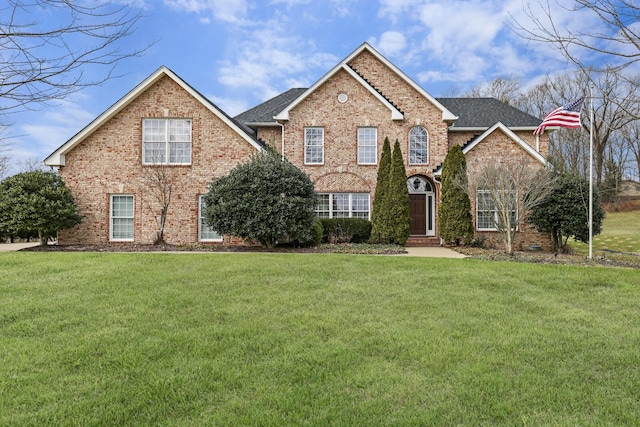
{"points": [[282, 139]]}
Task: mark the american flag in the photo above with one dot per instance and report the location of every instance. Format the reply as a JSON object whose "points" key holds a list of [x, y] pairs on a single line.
{"points": [[567, 116]]}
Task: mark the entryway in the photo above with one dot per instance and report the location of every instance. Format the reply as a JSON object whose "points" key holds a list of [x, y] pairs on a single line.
{"points": [[422, 206]]}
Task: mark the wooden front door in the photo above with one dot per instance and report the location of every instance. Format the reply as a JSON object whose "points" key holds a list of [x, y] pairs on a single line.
{"points": [[418, 206]]}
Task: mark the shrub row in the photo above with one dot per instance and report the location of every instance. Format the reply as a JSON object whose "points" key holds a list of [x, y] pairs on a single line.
{"points": [[345, 230]]}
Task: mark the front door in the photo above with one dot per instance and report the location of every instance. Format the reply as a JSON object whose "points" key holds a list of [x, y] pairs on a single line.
{"points": [[422, 206], [418, 207]]}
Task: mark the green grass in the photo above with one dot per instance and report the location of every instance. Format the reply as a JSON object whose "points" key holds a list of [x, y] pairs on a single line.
{"points": [[324, 339], [620, 233]]}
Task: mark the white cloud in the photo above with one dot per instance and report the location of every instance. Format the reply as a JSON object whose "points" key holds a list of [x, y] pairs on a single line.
{"points": [[230, 106], [394, 9], [38, 135], [270, 68], [231, 11], [392, 43]]}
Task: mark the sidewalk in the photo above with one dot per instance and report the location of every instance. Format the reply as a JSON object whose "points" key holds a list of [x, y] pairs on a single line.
{"points": [[12, 247], [432, 252], [427, 252]]}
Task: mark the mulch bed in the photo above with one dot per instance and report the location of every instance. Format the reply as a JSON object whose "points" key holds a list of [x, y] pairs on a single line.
{"points": [[600, 259], [126, 247]]}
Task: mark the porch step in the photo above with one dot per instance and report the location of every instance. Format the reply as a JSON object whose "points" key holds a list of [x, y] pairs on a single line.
{"points": [[422, 241]]}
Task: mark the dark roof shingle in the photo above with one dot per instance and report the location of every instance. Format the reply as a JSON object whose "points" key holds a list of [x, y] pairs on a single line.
{"points": [[264, 113], [485, 112]]}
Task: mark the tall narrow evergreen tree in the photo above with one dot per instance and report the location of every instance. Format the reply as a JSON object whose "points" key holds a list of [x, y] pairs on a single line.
{"points": [[380, 213], [398, 198], [454, 212]]}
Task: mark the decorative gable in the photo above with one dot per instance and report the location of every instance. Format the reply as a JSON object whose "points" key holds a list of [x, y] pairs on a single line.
{"points": [[368, 77], [57, 158]]}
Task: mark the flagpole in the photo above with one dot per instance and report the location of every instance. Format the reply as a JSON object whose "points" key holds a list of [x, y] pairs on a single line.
{"points": [[591, 172]]}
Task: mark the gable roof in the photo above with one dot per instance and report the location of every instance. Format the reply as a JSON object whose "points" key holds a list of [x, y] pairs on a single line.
{"points": [[343, 65], [57, 158], [482, 113], [502, 127]]}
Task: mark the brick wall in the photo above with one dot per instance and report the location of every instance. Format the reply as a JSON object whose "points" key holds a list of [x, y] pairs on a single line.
{"points": [[496, 146], [109, 162], [340, 171]]}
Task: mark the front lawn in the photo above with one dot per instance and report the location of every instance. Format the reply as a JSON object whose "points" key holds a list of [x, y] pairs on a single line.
{"points": [[314, 339]]}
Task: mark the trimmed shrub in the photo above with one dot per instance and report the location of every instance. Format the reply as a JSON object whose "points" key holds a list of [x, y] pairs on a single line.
{"points": [[380, 219], [346, 230], [315, 236]]}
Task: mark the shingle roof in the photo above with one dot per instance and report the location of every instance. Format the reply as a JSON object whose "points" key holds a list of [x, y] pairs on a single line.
{"points": [[473, 113], [483, 113], [265, 112]]}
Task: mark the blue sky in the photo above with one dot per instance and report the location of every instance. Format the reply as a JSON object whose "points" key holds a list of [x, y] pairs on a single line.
{"points": [[239, 53]]}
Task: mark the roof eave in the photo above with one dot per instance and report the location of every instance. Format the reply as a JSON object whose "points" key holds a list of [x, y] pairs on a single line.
{"points": [[509, 132], [262, 124], [484, 128]]}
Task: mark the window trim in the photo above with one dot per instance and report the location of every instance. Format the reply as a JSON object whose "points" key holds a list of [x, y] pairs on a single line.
{"points": [[201, 224], [410, 157], [306, 141], [332, 212], [132, 217], [167, 141], [374, 145], [495, 214]]}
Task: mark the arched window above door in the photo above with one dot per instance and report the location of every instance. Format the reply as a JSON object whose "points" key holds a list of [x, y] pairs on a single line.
{"points": [[418, 146], [419, 184]]}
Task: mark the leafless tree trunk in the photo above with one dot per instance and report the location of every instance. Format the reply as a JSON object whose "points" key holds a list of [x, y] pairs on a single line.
{"points": [[158, 185], [43, 60], [509, 189], [630, 135]]}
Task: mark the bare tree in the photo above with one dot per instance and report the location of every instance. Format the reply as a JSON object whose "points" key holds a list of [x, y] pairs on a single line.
{"points": [[158, 183], [630, 135], [617, 40], [4, 164], [505, 89], [49, 59], [30, 164], [506, 191], [615, 99]]}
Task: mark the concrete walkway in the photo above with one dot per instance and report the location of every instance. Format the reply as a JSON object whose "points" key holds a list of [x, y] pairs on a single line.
{"points": [[12, 247], [433, 252], [428, 252]]}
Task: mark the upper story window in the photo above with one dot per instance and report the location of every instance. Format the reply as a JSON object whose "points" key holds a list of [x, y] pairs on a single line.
{"points": [[367, 145], [313, 146], [418, 146], [166, 141]]}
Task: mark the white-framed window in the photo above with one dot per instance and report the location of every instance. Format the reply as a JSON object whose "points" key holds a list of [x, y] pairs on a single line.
{"points": [[313, 146], [367, 145], [121, 218], [486, 214], [166, 141], [205, 233], [343, 205], [418, 146]]}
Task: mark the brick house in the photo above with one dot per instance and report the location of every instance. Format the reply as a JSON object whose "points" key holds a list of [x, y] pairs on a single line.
{"points": [[333, 130]]}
